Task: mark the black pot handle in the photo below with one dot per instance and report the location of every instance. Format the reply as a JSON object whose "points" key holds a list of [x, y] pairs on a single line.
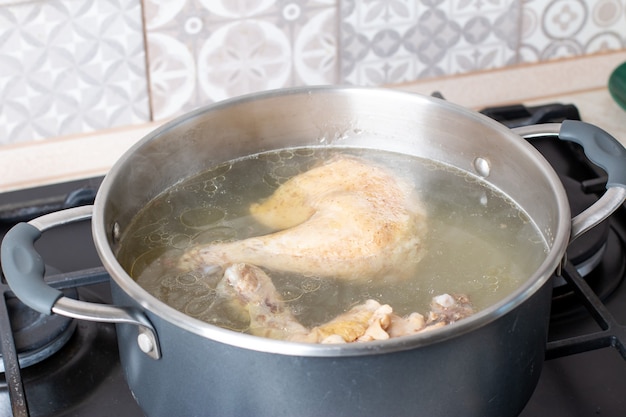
{"points": [[20, 259], [603, 150], [600, 147], [24, 270]]}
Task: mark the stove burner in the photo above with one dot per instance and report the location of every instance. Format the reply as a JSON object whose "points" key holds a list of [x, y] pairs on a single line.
{"points": [[604, 279], [597, 256], [37, 336], [83, 376]]}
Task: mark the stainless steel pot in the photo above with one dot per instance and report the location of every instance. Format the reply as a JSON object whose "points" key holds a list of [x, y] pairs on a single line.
{"points": [[487, 365]]}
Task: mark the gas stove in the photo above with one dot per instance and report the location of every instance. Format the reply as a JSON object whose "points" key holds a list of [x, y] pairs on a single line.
{"points": [[53, 366]]}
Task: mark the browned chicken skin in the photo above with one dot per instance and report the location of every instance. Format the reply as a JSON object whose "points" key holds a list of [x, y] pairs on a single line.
{"points": [[347, 219], [252, 290]]}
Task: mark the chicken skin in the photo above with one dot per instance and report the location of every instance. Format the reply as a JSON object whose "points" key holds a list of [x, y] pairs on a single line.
{"points": [[347, 219], [251, 290]]}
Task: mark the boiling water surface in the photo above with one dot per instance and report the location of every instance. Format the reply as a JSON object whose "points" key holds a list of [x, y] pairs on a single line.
{"points": [[479, 242]]}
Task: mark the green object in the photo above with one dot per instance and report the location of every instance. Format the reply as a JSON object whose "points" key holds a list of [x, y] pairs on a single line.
{"points": [[617, 85]]}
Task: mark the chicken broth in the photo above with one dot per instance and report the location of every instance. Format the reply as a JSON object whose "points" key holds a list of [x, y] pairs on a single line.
{"points": [[478, 241]]}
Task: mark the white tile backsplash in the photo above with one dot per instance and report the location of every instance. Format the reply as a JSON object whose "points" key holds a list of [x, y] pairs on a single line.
{"points": [[77, 157], [570, 28], [205, 51], [72, 67], [401, 41]]}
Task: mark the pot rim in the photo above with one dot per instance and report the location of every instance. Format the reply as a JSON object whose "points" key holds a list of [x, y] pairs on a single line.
{"points": [[155, 307]]}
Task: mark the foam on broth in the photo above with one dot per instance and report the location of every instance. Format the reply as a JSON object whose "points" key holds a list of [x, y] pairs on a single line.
{"points": [[479, 242]]}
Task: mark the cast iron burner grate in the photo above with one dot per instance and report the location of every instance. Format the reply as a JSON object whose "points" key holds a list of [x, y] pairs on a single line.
{"points": [[612, 333], [72, 377], [37, 336]]}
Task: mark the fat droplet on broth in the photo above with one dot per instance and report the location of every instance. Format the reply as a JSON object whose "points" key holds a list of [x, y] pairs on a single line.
{"points": [[148, 229], [158, 238], [180, 241], [197, 306], [492, 282], [201, 218], [286, 154], [269, 157], [160, 210], [210, 188], [311, 285], [307, 152], [271, 180], [147, 259], [285, 172], [214, 234], [187, 279]]}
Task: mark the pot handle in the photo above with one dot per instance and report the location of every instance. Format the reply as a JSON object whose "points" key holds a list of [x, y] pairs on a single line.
{"points": [[603, 150], [24, 270]]}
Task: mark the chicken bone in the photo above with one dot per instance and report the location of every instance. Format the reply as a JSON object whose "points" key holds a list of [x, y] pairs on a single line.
{"points": [[252, 290]]}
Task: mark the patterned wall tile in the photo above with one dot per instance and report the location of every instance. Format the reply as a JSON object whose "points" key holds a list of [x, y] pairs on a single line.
{"points": [[566, 28], [395, 41], [75, 66], [70, 66], [203, 51]]}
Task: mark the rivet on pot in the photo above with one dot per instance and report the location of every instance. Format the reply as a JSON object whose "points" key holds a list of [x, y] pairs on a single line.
{"points": [[145, 343], [482, 167], [116, 232]]}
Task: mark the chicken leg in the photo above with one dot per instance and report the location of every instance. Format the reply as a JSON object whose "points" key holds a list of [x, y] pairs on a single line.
{"points": [[347, 219]]}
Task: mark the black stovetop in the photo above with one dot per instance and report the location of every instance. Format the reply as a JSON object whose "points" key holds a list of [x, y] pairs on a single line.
{"points": [[584, 373], [84, 377]]}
